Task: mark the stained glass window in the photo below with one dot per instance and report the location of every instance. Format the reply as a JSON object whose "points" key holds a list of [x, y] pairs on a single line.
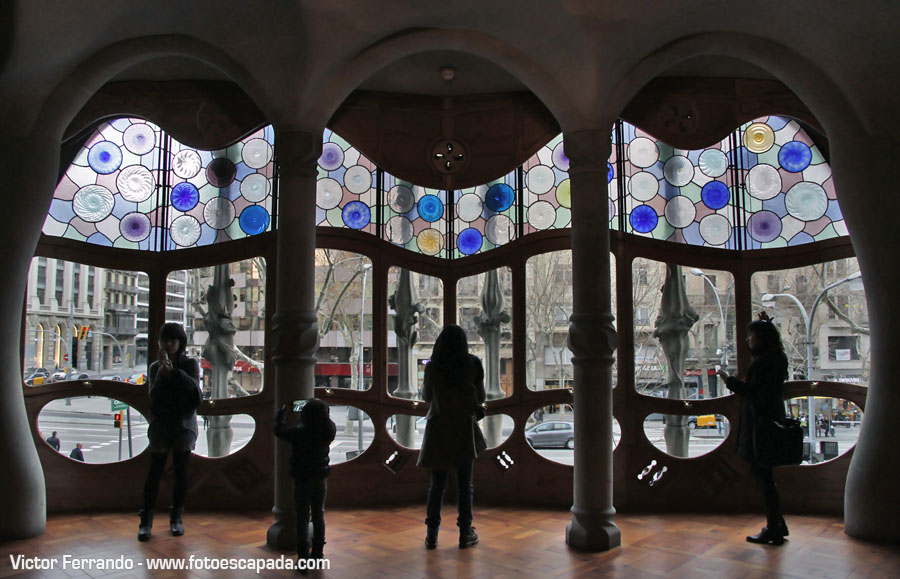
{"points": [[132, 186], [346, 187], [765, 185], [415, 217], [485, 216]]}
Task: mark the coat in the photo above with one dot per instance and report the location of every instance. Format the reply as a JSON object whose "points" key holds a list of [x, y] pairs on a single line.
{"points": [[173, 406], [309, 448], [762, 396], [77, 454], [452, 435]]}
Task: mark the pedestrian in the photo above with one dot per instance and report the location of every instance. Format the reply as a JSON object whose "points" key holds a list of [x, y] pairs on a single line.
{"points": [[76, 453], [310, 442], [174, 397], [762, 400], [54, 441], [454, 387]]}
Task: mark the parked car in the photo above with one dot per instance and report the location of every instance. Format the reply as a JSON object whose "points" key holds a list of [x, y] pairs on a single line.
{"points": [[136, 379], [78, 376], [37, 377], [703, 421], [58, 376], [551, 434], [113, 377], [34, 369]]}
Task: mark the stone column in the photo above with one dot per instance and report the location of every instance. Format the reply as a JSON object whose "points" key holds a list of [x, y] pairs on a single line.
{"points": [[23, 502], [592, 339], [406, 327], [865, 167], [489, 329], [294, 336]]}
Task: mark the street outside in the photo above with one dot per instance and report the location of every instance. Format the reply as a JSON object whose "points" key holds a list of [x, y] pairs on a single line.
{"points": [[89, 420]]}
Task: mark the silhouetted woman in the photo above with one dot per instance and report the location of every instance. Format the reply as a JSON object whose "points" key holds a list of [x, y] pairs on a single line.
{"points": [[174, 397], [762, 400], [454, 385]]}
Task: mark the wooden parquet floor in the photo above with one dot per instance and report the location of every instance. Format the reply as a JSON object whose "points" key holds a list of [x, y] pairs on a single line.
{"points": [[388, 542]]}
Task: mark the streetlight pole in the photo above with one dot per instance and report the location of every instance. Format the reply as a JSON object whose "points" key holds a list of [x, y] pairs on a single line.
{"points": [[699, 273], [807, 321], [362, 309]]}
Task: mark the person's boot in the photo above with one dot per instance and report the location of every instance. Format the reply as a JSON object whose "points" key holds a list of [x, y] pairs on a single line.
{"points": [[767, 536], [302, 555], [175, 524], [784, 529], [318, 550], [431, 536], [467, 537], [145, 525]]}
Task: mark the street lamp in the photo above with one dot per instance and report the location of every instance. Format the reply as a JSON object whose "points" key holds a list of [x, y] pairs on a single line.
{"points": [[807, 321], [699, 273], [362, 309]]}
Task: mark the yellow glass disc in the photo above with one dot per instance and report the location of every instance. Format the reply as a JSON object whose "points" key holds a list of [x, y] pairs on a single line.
{"points": [[430, 241], [564, 194], [759, 138]]}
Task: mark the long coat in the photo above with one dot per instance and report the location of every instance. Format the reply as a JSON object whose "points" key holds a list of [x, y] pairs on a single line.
{"points": [[173, 406], [761, 396], [450, 432]]}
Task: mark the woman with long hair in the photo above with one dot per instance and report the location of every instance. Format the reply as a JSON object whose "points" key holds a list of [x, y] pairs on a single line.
{"points": [[762, 400], [174, 397], [454, 386]]}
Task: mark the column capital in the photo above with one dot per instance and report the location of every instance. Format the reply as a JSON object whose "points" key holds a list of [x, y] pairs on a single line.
{"points": [[297, 151], [294, 336], [588, 150], [593, 335]]}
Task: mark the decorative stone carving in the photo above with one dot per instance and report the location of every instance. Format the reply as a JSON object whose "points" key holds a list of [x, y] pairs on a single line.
{"points": [[489, 329], [294, 336], [593, 335], [219, 352], [406, 307], [298, 152], [676, 317]]}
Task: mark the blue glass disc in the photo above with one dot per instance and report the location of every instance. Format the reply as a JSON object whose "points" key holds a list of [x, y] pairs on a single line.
{"points": [[469, 241], [499, 197], [254, 220], [609, 173], [715, 195], [185, 196], [794, 156], [356, 215], [430, 208], [105, 157], [643, 219]]}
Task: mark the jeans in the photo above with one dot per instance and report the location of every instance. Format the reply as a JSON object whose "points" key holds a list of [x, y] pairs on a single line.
{"points": [[157, 468], [766, 482], [309, 501], [464, 491]]}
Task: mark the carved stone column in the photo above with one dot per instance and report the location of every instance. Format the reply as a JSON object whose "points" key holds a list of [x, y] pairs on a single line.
{"points": [[406, 324], [593, 340], [294, 336], [22, 492], [489, 329]]}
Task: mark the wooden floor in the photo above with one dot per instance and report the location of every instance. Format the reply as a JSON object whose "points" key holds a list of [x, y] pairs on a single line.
{"points": [[514, 542]]}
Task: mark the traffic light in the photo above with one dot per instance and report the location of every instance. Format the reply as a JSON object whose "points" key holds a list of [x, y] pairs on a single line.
{"points": [[117, 420], [82, 335]]}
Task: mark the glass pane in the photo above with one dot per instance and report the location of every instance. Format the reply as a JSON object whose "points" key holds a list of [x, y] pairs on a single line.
{"points": [[835, 426], [223, 311], [83, 322], [405, 290], [344, 358], [223, 435], [548, 295], [489, 333], [485, 216], [91, 422], [700, 307], [346, 186], [703, 434], [839, 323], [354, 433], [547, 192], [550, 431]]}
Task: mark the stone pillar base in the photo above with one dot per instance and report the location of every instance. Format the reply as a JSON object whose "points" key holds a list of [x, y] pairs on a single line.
{"points": [[283, 532], [593, 532]]}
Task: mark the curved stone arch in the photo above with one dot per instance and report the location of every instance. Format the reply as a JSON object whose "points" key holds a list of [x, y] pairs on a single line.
{"points": [[72, 92], [812, 85], [326, 95]]}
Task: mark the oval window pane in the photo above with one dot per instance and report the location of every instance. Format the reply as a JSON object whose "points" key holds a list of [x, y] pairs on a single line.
{"points": [[835, 427], [700, 434], [354, 433], [220, 436], [91, 422], [550, 431], [407, 430]]}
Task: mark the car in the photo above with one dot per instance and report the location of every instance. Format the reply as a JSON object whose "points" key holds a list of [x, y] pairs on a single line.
{"points": [[58, 376], [556, 433], [113, 377], [704, 421], [78, 376], [37, 377], [136, 379], [34, 369]]}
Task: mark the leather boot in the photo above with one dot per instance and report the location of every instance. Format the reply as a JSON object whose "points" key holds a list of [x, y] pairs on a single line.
{"points": [[318, 550], [175, 525], [145, 525], [431, 536], [467, 537], [767, 536]]}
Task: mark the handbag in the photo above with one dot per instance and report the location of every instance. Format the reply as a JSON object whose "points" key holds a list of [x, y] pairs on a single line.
{"points": [[777, 442]]}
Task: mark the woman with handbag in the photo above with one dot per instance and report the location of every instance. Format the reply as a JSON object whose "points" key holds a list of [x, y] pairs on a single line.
{"points": [[762, 403], [454, 386]]}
